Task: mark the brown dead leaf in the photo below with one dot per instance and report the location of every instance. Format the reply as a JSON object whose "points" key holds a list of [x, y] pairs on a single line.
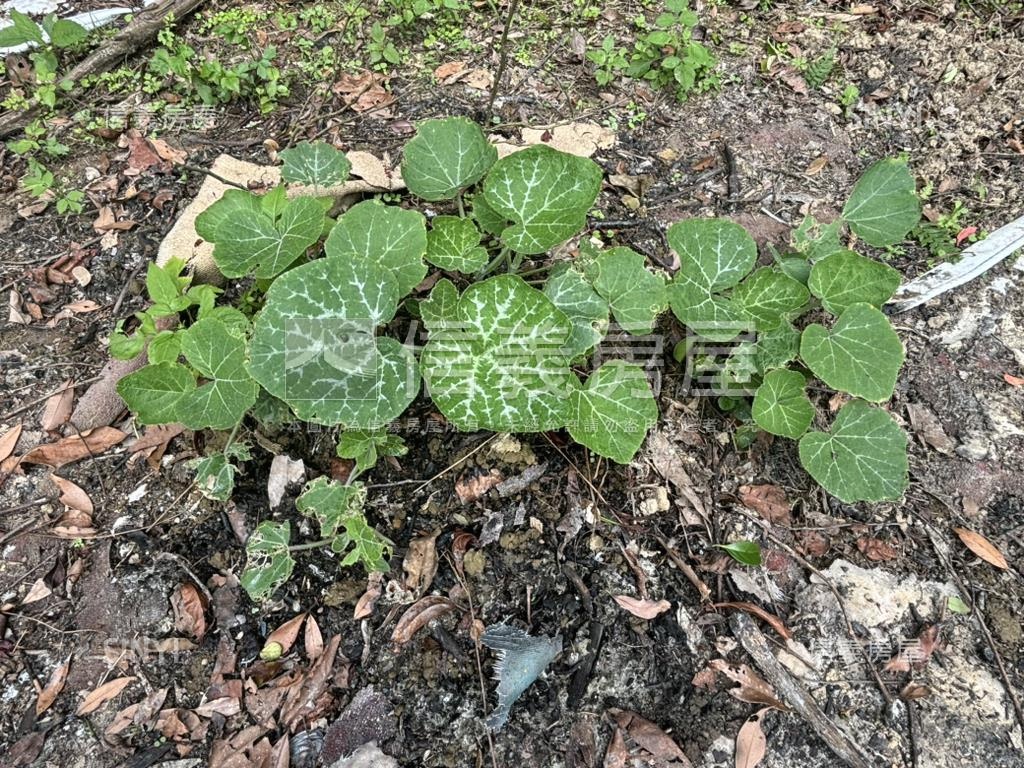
{"points": [[72, 496], [769, 501], [479, 79], [755, 610], [189, 611], [313, 640], [226, 706], [305, 701], [75, 447], [14, 313], [705, 679], [751, 743], [813, 543], [100, 696], [39, 590], [82, 307], [752, 688], [815, 166], [420, 564], [141, 154], [794, 80], [53, 687], [982, 547], [642, 609], [281, 640], [877, 550], [417, 616], [367, 601], [913, 691], [107, 221], [74, 524], [9, 441], [637, 741], [472, 486], [166, 152], [915, 655]]}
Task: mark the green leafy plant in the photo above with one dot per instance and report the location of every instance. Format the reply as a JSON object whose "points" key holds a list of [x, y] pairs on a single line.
{"points": [[60, 33], [502, 353], [664, 53]]}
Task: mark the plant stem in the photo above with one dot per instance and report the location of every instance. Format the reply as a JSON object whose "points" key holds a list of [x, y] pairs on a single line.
{"points": [[513, 6], [502, 256], [458, 202], [310, 545]]}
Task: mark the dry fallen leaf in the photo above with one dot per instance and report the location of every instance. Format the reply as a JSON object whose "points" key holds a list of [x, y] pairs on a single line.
{"points": [[58, 407], [418, 615], [102, 695], [284, 472], [450, 72], [367, 601], [917, 653], [751, 743], [877, 550], [1013, 381], [75, 447], [281, 640], [752, 688], [982, 547], [639, 742], [189, 611], [166, 152], [815, 166], [479, 79], [9, 441], [474, 486], [928, 427], [642, 609], [755, 610], [420, 564], [72, 496], [769, 501], [313, 640], [38, 591], [53, 687]]}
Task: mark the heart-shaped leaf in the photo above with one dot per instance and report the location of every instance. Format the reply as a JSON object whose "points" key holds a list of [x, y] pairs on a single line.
{"points": [[846, 278], [768, 296], [382, 236], [252, 242], [709, 315], [497, 362], [569, 290], [314, 345], [268, 564], [215, 477], [713, 253], [883, 206], [781, 405], [440, 306], [612, 413], [861, 355], [153, 392], [219, 356], [863, 458], [635, 295], [546, 193], [446, 156], [234, 202], [316, 164], [777, 347], [453, 244]]}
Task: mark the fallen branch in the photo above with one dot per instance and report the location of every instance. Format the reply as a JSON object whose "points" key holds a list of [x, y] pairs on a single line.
{"points": [[791, 692], [134, 36]]}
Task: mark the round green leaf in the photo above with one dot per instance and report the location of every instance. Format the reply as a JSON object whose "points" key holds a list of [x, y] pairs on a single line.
{"points": [[441, 304], [709, 315], [863, 458], [586, 310], [883, 206], [546, 193], [777, 347], [152, 393], [232, 203], [453, 244], [612, 413], [317, 164], [219, 356], [496, 362], [374, 234], [846, 278], [861, 355], [768, 296], [446, 156], [713, 253], [636, 296], [314, 345], [781, 405]]}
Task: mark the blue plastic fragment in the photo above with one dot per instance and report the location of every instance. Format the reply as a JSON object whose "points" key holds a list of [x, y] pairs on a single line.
{"points": [[521, 659]]}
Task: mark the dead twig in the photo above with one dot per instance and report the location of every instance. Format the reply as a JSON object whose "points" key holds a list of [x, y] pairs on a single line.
{"points": [[513, 6]]}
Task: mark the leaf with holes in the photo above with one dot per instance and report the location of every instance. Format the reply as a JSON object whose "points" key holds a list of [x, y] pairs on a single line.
{"points": [[215, 477], [382, 237], [316, 164], [314, 345], [496, 362], [635, 295], [365, 446], [781, 405], [768, 297], [863, 458], [569, 290], [545, 193], [846, 278], [153, 391], [883, 206], [339, 510], [219, 356], [777, 347], [446, 156], [453, 244], [253, 242], [268, 564], [612, 413], [861, 355]]}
